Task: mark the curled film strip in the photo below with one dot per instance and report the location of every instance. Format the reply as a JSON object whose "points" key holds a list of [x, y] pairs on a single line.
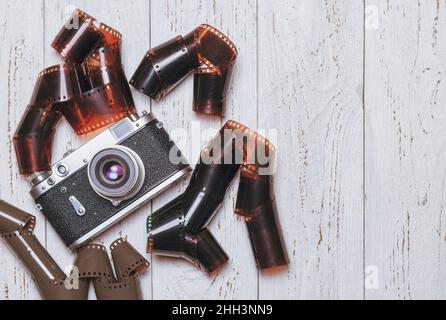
{"points": [[255, 200], [92, 263], [207, 51], [169, 235], [89, 89], [191, 213]]}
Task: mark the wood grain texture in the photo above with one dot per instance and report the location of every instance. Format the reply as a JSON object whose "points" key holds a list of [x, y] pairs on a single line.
{"points": [[358, 185], [310, 91], [21, 58], [177, 279], [135, 40], [405, 162]]}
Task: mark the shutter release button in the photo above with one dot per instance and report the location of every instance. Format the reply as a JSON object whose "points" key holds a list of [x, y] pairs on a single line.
{"points": [[62, 170]]}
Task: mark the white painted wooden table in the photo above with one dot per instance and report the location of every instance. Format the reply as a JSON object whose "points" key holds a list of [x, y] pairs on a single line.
{"points": [[357, 93]]}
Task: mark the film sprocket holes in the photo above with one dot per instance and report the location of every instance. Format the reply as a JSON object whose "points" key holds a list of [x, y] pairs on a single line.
{"points": [[207, 51], [114, 174], [169, 236], [108, 178], [180, 228], [90, 90], [92, 263]]}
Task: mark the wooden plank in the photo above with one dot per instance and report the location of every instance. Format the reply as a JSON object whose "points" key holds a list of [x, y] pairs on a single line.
{"points": [[405, 163], [132, 20], [177, 279], [310, 91], [21, 58]]}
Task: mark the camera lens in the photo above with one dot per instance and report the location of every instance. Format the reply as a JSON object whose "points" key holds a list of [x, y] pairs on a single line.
{"points": [[116, 173]]}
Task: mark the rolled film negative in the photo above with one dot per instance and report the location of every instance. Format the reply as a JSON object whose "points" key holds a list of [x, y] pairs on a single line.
{"points": [[185, 218], [211, 178], [92, 263], [16, 230], [219, 163], [255, 202], [207, 51], [169, 236], [212, 79], [89, 89], [255, 199]]}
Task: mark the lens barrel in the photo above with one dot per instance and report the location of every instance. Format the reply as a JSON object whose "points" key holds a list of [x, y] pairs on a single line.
{"points": [[116, 173]]}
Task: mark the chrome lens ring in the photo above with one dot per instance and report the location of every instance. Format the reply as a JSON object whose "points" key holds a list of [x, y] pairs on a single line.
{"points": [[116, 173]]}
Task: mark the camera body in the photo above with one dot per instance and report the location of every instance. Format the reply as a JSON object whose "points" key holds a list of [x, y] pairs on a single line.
{"points": [[109, 177]]}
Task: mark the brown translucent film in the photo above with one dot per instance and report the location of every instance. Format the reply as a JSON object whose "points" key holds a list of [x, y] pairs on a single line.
{"points": [[206, 192], [256, 203], [90, 89], [258, 153], [105, 95], [219, 163], [217, 55], [180, 228], [208, 252], [166, 240], [78, 38], [169, 236], [225, 148], [255, 199], [33, 141], [16, 229], [92, 263], [82, 35], [215, 50], [164, 67], [126, 260], [207, 51], [210, 89]]}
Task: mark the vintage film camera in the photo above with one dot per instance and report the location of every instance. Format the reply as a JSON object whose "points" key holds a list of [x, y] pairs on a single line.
{"points": [[116, 172], [106, 179]]}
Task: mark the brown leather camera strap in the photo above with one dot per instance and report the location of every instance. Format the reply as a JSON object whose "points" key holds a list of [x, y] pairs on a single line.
{"points": [[92, 263], [90, 90]]}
